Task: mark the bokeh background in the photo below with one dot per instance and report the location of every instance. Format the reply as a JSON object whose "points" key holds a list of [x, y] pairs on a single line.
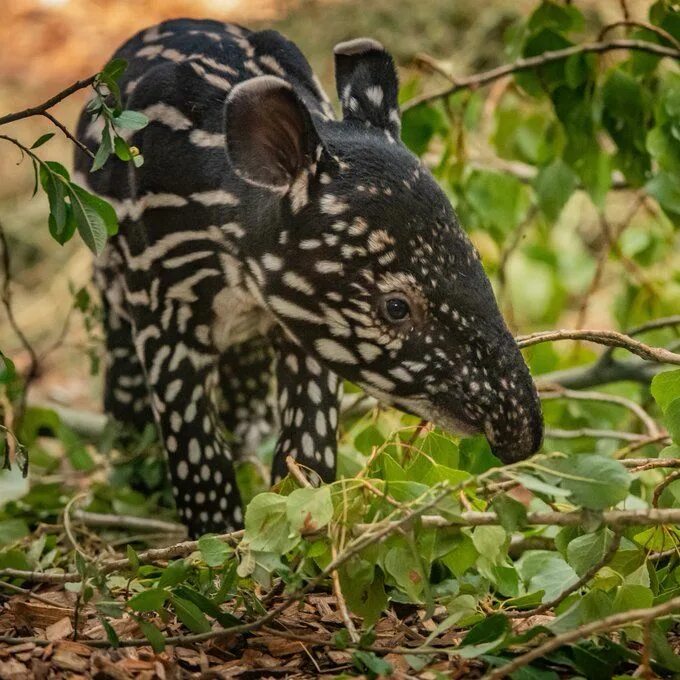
{"points": [[47, 44]]}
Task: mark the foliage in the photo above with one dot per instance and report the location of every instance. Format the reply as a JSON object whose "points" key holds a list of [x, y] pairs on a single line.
{"points": [[71, 206], [567, 177]]}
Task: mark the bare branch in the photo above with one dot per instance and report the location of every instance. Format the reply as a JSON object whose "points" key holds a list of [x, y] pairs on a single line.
{"points": [[479, 79], [52, 101], [611, 518], [610, 338]]}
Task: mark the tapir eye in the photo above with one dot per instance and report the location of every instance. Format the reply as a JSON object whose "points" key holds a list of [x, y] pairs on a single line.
{"points": [[396, 308]]}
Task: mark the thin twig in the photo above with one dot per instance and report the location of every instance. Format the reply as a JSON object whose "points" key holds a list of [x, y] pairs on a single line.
{"points": [[611, 518], [52, 101], [295, 470], [639, 24], [340, 600], [642, 464], [526, 63], [674, 476], [68, 134], [636, 446], [69, 529], [28, 593]]}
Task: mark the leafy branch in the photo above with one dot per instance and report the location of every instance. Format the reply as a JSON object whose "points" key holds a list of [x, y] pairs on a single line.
{"points": [[609, 623], [71, 206], [527, 63]]}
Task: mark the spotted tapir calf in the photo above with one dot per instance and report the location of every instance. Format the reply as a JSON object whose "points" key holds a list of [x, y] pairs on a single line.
{"points": [[268, 247]]}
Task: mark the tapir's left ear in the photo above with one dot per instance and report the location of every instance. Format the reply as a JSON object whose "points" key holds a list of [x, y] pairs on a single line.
{"points": [[367, 84]]}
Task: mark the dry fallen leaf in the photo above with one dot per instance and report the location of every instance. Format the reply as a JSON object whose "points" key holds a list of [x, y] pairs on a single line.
{"points": [[59, 630]]}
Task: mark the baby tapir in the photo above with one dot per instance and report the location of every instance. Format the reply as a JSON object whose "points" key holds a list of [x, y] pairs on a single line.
{"points": [[266, 246]]}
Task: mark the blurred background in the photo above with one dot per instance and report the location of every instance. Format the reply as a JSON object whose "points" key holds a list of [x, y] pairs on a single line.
{"points": [[545, 278]]}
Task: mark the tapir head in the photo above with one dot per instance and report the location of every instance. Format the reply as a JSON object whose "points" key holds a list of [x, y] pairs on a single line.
{"points": [[367, 266]]}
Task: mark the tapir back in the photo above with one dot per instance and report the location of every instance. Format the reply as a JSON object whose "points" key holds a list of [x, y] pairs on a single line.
{"points": [[179, 74]]}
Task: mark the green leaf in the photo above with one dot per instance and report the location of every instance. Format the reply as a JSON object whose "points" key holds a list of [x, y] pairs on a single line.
{"points": [[419, 125], [114, 69], [559, 17], [104, 151], [122, 149], [133, 558], [11, 530], [214, 551], [362, 585], [371, 662], [554, 184], [402, 565], [539, 486], [42, 139], [151, 600], [65, 233], [309, 509], [585, 551], [485, 636], [267, 528], [175, 573], [490, 542], [51, 175], [632, 597], [190, 615], [94, 216], [499, 199], [666, 388], [208, 606], [153, 635], [110, 631], [545, 571], [672, 420], [131, 120], [511, 513], [665, 188], [624, 113], [462, 557], [595, 482]]}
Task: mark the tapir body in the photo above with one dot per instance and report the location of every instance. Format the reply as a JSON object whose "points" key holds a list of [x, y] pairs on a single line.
{"points": [[268, 250]]}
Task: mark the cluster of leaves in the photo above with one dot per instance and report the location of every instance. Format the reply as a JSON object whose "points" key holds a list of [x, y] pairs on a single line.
{"points": [[71, 207], [107, 106], [572, 126]]}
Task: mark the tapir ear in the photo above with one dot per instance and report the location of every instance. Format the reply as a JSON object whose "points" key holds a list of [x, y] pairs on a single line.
{"points": [[270, 134], [367, 84]]}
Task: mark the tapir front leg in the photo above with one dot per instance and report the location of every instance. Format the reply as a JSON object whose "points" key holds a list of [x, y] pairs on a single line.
{"points": [[308, 401]]}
